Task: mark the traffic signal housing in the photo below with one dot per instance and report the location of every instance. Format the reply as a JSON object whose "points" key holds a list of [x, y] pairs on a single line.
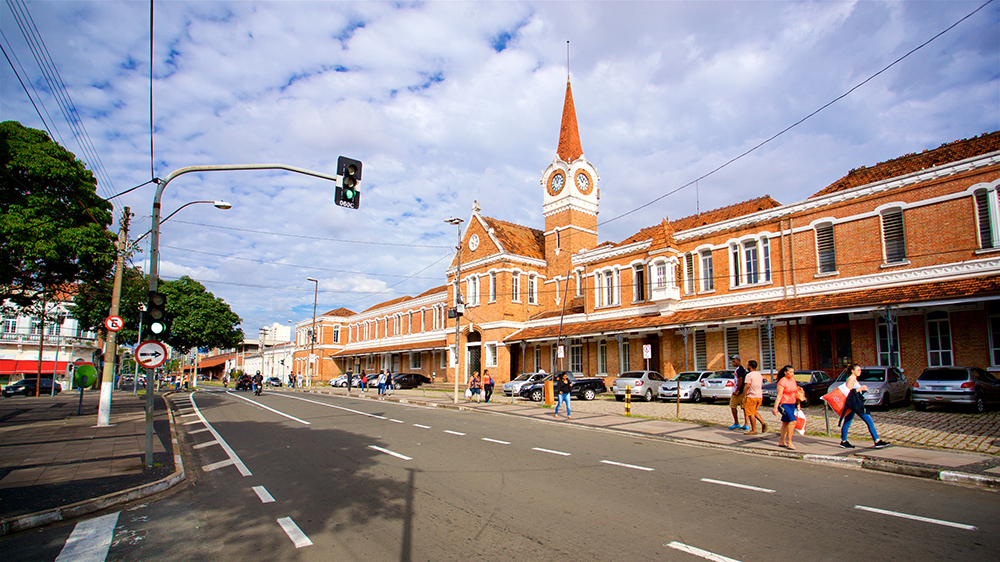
{"points": [[156, 314], [348, 178]]}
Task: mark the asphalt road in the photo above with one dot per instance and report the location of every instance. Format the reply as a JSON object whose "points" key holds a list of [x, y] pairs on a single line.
{"points": [[381, 481]]}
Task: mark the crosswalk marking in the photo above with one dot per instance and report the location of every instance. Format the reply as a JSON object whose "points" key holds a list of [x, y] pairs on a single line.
{"points": [[299, 539], [90, 540]]}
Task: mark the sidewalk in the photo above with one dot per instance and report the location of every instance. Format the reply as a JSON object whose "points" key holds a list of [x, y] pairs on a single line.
{"points": [[654, 419], [55, 464]]}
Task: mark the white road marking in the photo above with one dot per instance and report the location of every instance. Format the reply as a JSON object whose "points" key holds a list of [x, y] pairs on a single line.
{"points": [[225, 446], [637, 467], [396, 421], [496, 441], [334, 406], [205, 444], [191, 422], [299, 539], [90, 540], [918, 518], [388, 452], [262, 494], [218, 465], [735, 485], [453, 432], [197, 431], [550, 451], [293, 418], [699, 552], [189, 415], [421, 426]]}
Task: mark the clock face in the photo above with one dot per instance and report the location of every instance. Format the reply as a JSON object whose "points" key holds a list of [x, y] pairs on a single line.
{"points": [[583, 182], [556, 183], [473, 242]]}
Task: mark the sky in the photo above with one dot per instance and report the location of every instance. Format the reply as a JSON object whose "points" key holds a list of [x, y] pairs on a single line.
{"points": [[447, 103]]}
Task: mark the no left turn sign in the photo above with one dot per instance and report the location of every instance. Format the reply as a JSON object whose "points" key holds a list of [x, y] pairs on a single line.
{"points": [[114, 323]]}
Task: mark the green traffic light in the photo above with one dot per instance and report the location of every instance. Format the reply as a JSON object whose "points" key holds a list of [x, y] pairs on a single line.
{"points": [[156, 328], [349, 194]]}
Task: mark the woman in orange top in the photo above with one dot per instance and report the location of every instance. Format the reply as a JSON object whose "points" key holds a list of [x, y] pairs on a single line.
{"points": [[788, 391]]}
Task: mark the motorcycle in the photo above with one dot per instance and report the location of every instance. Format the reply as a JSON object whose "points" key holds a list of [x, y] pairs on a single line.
{"points": [[257, 389]]}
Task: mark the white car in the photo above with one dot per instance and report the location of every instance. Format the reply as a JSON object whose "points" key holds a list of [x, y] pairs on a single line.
{"points": [[690, 383], [513, 387], [645, 384], [719, 386]]}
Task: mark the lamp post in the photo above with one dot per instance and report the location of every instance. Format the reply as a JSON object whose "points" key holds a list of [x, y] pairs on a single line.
{"points": [[154, 255], [459, 307], [312, 336]]}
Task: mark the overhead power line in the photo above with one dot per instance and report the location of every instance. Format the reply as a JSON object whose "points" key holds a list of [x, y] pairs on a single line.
{"points": [[307, 237]]}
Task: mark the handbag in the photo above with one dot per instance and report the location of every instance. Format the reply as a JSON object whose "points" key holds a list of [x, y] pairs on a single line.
{"points": [[800, 421], [836, 398]]}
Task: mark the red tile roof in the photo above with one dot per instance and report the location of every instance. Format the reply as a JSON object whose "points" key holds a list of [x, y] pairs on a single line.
{"points": [[569, 135], [708, 217], [439, 289], [518, 240], [945, 154], [435, 344], [389, 303], [340, 312]]}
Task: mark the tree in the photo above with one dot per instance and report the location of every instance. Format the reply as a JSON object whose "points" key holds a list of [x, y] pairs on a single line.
{"points": [[199, 319], [53, 225], [93, 301]]}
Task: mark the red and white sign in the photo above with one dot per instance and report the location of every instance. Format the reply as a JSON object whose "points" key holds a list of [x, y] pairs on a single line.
{"points": [[151, 354], [114, 323], [647, 351]]}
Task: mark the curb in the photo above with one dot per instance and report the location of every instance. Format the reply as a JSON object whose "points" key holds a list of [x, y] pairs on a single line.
{"points": [[78, 509]]}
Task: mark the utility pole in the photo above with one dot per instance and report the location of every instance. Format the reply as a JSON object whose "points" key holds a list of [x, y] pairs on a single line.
{"points": [[110, 345], [459, 306]]}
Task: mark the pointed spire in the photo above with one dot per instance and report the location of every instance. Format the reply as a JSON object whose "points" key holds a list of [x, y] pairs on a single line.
{"points": [[663, 237], [569, 135]]}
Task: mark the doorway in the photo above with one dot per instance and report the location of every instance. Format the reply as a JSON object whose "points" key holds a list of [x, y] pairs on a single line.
{"points": [[833, 343]]}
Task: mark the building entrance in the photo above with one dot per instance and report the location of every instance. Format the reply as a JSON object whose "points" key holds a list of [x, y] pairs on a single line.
{"points": [[833, 343]]}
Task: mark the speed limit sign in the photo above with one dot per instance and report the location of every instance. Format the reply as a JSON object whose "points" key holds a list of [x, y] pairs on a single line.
{"points": [[114, 323]]}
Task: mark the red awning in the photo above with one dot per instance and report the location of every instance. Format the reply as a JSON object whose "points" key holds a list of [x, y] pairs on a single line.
{"points": [[27, 367]]}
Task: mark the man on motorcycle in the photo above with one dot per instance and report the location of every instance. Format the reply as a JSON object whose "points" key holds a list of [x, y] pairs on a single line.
{"points": [[258, 380]]}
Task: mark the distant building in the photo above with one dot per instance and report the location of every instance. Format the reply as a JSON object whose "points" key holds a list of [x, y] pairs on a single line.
{"points": [[893, 264]]}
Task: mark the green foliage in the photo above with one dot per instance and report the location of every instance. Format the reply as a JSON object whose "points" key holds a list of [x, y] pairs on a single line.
{"points": [[53, 225], [199, 318], [93, 302]]}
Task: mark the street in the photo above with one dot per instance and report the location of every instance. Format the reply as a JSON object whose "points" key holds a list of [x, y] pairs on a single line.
{"points": [[290, 476]]}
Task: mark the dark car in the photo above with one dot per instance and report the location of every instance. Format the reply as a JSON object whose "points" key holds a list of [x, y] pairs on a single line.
{"points": [[970, 386], [814, 383], [26, 387], [582, 388], [408, 380]]}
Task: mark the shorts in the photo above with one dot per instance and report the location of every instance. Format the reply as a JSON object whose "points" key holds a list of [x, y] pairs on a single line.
{"points": [[787, 413], [475, 392], [736, 400], [750, 405]]}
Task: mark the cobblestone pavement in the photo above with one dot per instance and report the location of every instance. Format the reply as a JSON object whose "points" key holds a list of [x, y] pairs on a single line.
{"points": [[950, 429]]}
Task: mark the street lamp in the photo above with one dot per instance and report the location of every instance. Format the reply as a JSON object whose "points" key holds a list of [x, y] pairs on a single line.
{"points": [[459, 307], [312, 336]]}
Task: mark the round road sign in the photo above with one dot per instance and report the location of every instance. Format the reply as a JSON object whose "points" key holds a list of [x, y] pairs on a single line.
{"points": [[114, 323], [151, 354]]}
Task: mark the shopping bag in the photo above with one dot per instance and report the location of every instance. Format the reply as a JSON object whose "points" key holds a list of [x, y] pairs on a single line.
{"points": [[468, 393], [836, 398], [800, 421]]}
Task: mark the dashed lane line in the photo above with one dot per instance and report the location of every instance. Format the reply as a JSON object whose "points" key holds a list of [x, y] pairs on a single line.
{"points": [[421, 426], [262, 493], [700, 552], [496, 441], [222, 442], [635, 466], [299, 539], [268, 408], [388, 452], [453, 432], [90, 540], [736, 485], [550, 451], [918, 518], [396, 421], [334, 406]]}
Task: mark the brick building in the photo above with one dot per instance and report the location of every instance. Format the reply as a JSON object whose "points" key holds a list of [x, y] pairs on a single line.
{"points": [[897, 263]]}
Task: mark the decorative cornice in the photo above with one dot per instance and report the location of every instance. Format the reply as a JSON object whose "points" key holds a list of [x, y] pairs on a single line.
{"points": [[497, 258], [608, 252]]}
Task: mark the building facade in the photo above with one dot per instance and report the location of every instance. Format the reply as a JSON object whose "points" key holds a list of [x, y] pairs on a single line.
{"points": [[894, 264]]}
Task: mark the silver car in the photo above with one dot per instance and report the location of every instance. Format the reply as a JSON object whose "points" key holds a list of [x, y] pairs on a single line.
{"points": [[886, 385], [719, 386], [642, 383], [970, 386], [513, 387], [690, 383]]}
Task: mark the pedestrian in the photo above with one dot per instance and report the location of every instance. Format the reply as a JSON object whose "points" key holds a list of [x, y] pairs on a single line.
{"points": [[291, 380], [381, 383], [754, 390], [788, 397], [487, 385], [350, 377], [562, 389], [475, 385], [856, 404], [364, 381], [736, 400], [388, 382]]}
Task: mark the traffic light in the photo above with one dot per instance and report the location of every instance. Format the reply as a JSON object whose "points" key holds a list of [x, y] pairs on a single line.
{"points": [[348, 177], [156, 314]]}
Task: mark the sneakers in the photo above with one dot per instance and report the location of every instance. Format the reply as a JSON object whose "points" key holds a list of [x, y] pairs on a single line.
{"points": [[736, 426], [881, 444], [745, 427], [846, 445]]}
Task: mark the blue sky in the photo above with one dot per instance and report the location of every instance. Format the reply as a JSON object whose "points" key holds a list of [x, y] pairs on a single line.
{"points": [[447, 103]]}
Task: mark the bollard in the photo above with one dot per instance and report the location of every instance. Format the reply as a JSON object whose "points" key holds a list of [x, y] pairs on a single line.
{"points": [[826, 414], [628, 400], [549, 393]]}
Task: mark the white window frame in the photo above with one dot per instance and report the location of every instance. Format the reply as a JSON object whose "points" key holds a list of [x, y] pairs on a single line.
{"points": [[689, 275], [993, 330], [443, 362], [336, 334], [9, 325], [986, 207], [538, 357], [890, 230], [639, 282], [700, 350], [825, 236], [515, 286], [532, 289], [767, 349], [490, 350], [624, 360], [707, 270], [416, 361], [882, 328], [938, 355], [576, 356], [493, 286], [602, 357]]}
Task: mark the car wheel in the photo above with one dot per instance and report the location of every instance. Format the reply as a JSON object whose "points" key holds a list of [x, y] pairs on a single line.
{"points": [[397, 386], [980, 405], [919, 406], [696, 396], [536, 395], [589, 394], [886, 402], [619, 398], [648, 397]]}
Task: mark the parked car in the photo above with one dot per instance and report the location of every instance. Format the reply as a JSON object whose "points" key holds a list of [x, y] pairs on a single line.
{"points": [[514, 387], [969, 386], [720, 385], [690, 383], [272, 381], [814, 383], [342, 381], [885, 386], [26, 387], [643, 383], [581, 388], [408, 380]]}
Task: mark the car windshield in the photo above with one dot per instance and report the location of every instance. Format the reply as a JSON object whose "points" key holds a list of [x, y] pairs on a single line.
{"points": [[631, 375], [723, 375], [687, 377], [867, 375], [944, 375], [802, 377], [524, 377]]}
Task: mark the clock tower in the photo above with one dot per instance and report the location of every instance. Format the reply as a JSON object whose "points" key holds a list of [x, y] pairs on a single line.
{"points": [[570, 197]]}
